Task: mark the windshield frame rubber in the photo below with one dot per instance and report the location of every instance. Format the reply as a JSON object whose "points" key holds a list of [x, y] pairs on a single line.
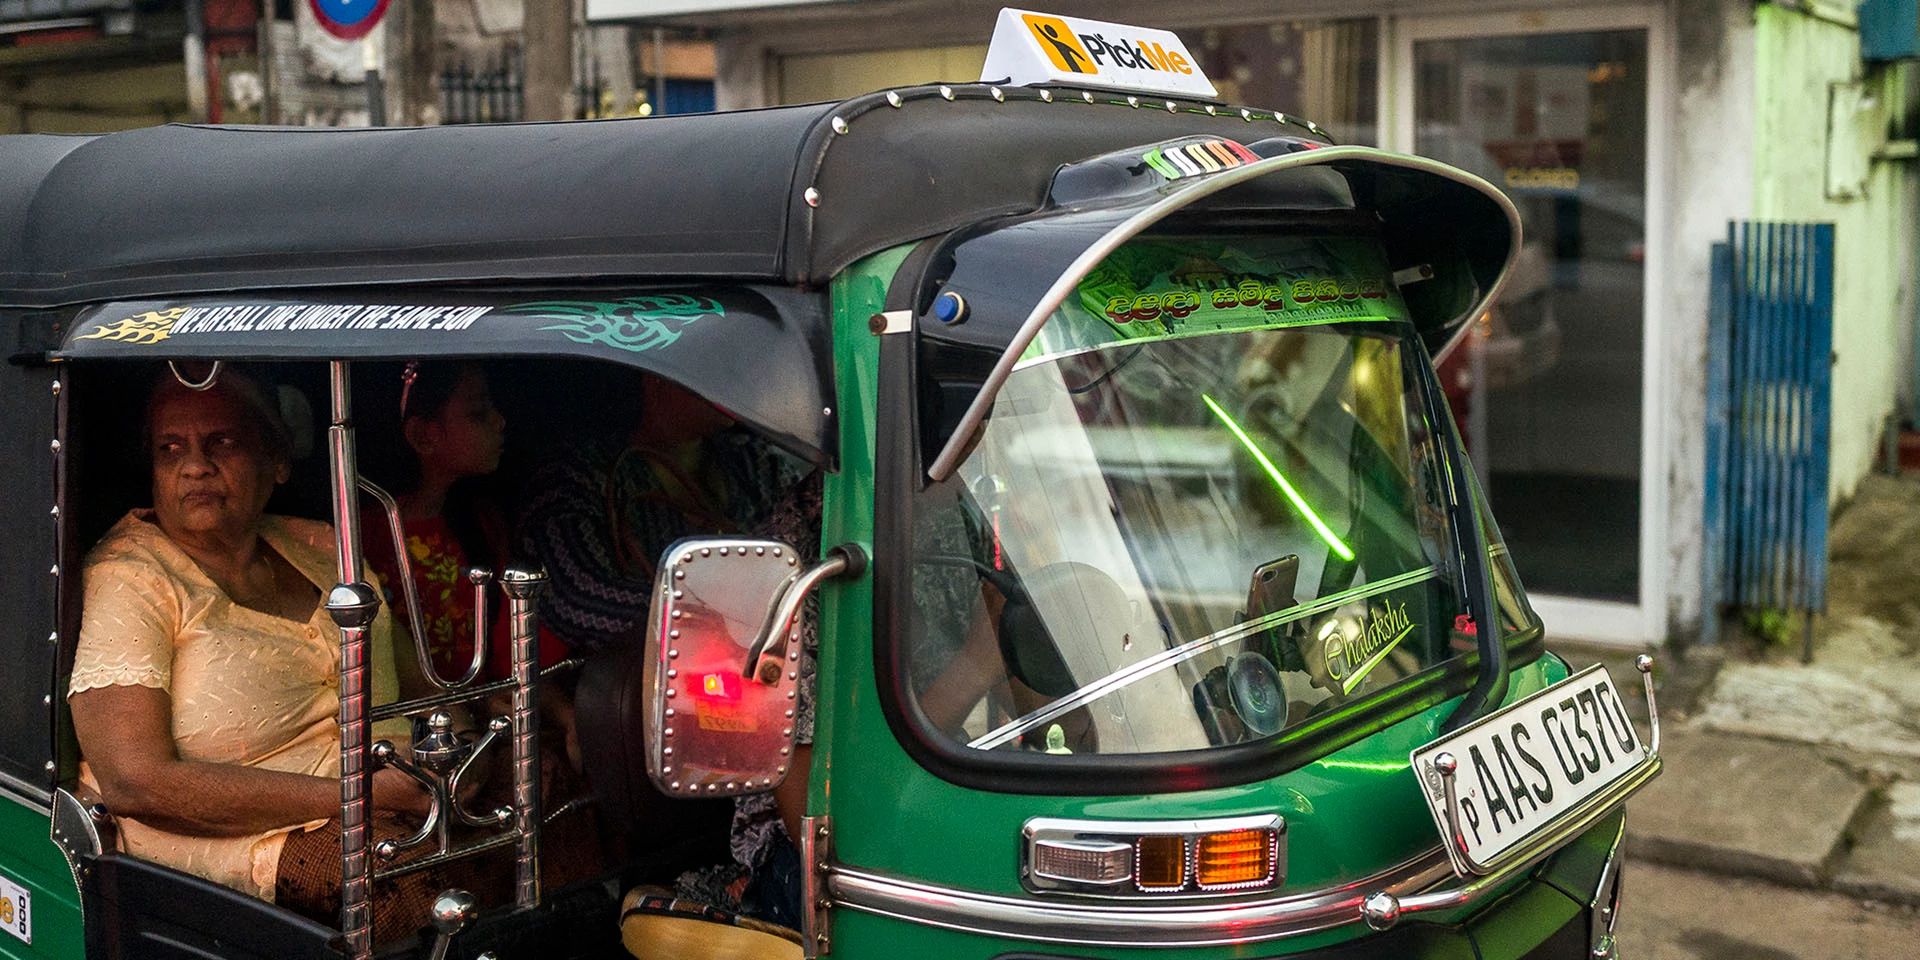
{"points": [[898, 484]]}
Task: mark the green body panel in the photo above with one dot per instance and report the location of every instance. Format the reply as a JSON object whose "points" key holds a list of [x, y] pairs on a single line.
{"points": [[1349, 814], [29, 858]]}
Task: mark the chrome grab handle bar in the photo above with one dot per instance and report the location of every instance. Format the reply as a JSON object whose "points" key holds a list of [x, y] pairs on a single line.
{"points": [[1448, 766], [411, 594], [442, 760]]}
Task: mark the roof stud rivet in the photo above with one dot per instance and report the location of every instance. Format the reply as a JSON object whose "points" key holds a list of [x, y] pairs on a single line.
{"points": [[1211, 112], [1086, 95], [1046, 96], [826, 411], [893, 99], [1133, 102], [839, 125], [998, 95], [56, 388], [946, 92], [1246, 115], [1172, 107], [812, 196]]}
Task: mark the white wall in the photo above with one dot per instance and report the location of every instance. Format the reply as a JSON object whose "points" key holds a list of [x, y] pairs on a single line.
{"points": [[1798, 55], [1710, 182]]}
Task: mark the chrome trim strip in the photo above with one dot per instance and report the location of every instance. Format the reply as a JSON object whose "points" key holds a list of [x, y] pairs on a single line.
{"points": [[1128, 675], [30, 795], [1134, 924], [976, 414]]}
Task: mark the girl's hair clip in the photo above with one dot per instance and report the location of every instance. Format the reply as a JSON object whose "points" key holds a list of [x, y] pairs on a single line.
{"points": [[407, 377]]}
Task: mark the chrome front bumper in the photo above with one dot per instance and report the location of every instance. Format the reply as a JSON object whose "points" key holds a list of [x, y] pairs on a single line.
{"points": [[1425, 884]]}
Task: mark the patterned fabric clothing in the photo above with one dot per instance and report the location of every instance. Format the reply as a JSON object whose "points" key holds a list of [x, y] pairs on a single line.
{"points": [[601, 517], [246, 687], [446, 599]]}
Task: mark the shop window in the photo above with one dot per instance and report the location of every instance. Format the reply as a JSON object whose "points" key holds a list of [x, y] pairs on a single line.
{"points": [[1326, 71]]}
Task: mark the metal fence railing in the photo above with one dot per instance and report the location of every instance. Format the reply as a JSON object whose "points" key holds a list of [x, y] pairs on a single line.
{"points": [[1769, 393]]}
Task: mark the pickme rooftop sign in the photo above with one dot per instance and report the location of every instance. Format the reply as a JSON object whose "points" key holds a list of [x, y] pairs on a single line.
{"points": [[1031, 48]]}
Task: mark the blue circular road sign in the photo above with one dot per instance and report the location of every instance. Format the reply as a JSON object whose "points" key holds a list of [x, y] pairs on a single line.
{"points": [[348, 19]]}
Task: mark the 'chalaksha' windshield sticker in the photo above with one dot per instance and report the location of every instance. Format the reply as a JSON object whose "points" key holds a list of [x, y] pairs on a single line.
{"points": [[635, 324], [1352, 650], [1158, 289]]}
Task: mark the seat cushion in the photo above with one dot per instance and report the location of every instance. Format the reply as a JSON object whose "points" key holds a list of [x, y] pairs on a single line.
{"points": [[655, 925]]}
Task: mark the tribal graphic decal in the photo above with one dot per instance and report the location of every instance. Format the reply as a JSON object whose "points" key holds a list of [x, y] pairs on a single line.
{"points": [[144, 329], [635, 324]]}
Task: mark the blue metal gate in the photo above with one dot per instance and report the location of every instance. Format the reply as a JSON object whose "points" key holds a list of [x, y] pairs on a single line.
{"points": [[1769, 391]]}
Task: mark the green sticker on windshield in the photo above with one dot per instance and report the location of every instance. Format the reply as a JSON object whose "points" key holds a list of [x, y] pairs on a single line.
{"points": [[1157, 289]]}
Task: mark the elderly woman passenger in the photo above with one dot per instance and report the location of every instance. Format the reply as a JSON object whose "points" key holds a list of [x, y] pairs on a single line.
{"points": [[204, 688]]}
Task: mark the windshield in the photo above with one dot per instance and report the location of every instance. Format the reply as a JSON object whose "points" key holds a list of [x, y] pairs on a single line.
{"points": [[1170, 539]]}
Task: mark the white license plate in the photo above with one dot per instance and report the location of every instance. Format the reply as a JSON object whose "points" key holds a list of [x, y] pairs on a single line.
{"points": [[15, 910], [1523, 767]]}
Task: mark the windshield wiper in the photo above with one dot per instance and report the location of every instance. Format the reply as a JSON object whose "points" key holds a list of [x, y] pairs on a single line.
{"points": [[1490, 685]]}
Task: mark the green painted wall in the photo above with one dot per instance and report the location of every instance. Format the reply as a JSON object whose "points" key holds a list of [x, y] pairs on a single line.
{"points": [[1797, 57]]}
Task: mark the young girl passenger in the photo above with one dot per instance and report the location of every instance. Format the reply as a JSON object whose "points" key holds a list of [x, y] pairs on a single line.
{"points": [[454, 438]]}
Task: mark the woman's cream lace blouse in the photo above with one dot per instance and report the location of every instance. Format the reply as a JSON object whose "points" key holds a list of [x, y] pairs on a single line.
{"points": [[247, 687]]}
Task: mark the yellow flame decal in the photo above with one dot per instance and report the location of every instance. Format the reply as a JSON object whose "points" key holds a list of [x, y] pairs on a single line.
{"points": [[147, 328]]}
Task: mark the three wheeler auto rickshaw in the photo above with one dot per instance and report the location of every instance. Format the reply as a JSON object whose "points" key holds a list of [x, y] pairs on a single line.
{"points": [[1159, 612]]}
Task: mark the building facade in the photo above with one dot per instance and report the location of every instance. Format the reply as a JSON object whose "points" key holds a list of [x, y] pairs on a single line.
{"points": [[1630, 134]]}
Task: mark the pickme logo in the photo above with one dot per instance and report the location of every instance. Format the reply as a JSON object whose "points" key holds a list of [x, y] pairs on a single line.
{"points": [[144, 329], [1349, 660], [1092, 52], [1180, 160], [1059, 44]]}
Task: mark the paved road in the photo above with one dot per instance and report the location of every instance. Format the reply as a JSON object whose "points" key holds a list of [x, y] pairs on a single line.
{"points": [[1680, 915]]}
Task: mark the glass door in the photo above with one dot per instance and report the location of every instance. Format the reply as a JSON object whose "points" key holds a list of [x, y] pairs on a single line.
{"points": [[1550, 388]]}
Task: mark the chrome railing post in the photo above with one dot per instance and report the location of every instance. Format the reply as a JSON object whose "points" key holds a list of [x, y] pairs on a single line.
{"points": [[353, 605], [522, 587]]}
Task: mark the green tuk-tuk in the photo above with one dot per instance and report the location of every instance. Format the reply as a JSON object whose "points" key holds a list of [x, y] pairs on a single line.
{"points": [[1159, 613]]}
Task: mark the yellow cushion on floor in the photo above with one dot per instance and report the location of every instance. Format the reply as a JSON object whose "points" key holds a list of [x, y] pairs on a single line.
{"points": [[655, 925]]}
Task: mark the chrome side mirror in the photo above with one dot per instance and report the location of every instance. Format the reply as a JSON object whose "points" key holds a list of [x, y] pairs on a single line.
{"points": [[722, 668]]}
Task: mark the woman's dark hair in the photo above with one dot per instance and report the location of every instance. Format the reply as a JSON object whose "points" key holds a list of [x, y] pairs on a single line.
{"points": [[426, 387]]}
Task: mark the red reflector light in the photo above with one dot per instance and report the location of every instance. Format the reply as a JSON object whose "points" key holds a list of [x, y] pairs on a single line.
{"points": [[722, 685]]}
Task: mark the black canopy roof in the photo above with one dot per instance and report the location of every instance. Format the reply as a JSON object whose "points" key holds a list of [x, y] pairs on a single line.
{"points": [[787, 194]]}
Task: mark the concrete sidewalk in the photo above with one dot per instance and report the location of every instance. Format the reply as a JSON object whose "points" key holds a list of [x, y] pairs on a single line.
{"points": [[1805, 775]]}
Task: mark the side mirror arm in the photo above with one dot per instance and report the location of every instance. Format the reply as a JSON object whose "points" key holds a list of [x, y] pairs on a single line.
{"points": [[844, 561]]}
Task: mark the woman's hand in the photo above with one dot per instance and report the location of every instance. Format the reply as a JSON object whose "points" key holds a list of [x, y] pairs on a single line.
{"points": [[393, 790]]}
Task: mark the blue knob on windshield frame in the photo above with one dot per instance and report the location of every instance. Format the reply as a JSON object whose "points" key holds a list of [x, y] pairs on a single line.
{"points": [[950, 308]]}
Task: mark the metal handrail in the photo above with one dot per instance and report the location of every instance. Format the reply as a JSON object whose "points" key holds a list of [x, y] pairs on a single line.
{"points": [[410, 593], [353, 606]]}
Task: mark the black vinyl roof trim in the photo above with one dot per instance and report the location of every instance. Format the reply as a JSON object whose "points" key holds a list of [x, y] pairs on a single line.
{"points": [[785, 194]]}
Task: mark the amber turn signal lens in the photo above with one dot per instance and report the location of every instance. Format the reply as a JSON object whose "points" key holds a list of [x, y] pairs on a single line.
{"points": [[1233, 859], [1160, 863]]}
